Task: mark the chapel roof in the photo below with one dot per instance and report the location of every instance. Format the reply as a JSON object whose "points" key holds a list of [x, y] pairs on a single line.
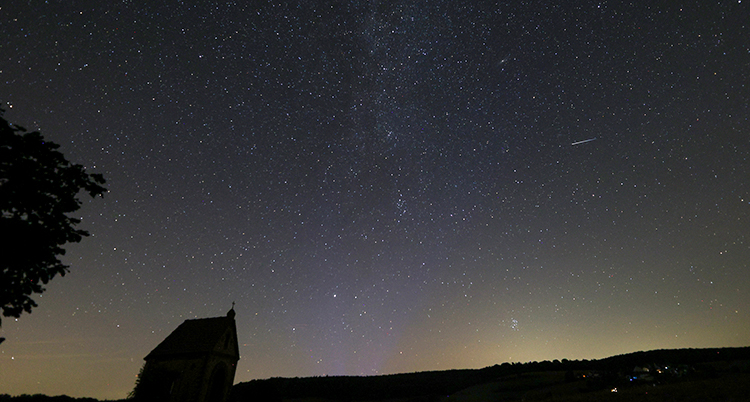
{"points": [[198, 336]]}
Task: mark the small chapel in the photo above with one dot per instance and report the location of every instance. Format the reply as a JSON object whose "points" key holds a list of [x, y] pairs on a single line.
{"points": [[195, 363]]}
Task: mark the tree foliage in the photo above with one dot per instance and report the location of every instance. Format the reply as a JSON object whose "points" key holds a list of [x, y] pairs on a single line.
{"points": [[38, 189]]}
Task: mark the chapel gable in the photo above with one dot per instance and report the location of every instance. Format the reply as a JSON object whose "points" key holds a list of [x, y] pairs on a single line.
{"points": [[195, 363]]}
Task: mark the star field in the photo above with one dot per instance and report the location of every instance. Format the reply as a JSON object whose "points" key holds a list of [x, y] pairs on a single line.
{"points": [[386, 187]]}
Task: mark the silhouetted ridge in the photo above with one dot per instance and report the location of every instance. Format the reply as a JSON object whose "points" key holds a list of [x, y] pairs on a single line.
{"points": [[433, 384]]}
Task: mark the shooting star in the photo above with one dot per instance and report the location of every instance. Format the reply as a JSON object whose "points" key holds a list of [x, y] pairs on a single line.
{"points": [[583, 142]]}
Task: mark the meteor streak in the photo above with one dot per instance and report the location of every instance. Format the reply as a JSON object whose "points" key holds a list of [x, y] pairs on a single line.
{"points": [[584, 141]]}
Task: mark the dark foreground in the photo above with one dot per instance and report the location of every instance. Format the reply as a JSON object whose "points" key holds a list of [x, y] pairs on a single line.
{"points": [[721, 374]]}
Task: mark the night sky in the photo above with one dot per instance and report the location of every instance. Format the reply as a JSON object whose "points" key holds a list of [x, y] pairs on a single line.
{"points": [[386, 187]]}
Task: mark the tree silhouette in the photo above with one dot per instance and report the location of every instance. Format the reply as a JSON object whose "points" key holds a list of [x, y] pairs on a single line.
{"points": [[38, 188]]}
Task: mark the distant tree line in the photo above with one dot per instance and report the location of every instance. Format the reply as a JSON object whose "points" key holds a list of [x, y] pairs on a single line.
{"points": [[431, 385], [434, 383]]}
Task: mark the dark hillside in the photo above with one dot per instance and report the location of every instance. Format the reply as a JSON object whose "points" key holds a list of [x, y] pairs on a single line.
{"points": [[516, 381], [359, 388], [675, 357]]}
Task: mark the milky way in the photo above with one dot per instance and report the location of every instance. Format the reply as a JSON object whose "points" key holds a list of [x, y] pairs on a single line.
{"points": [[386, 187]]}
